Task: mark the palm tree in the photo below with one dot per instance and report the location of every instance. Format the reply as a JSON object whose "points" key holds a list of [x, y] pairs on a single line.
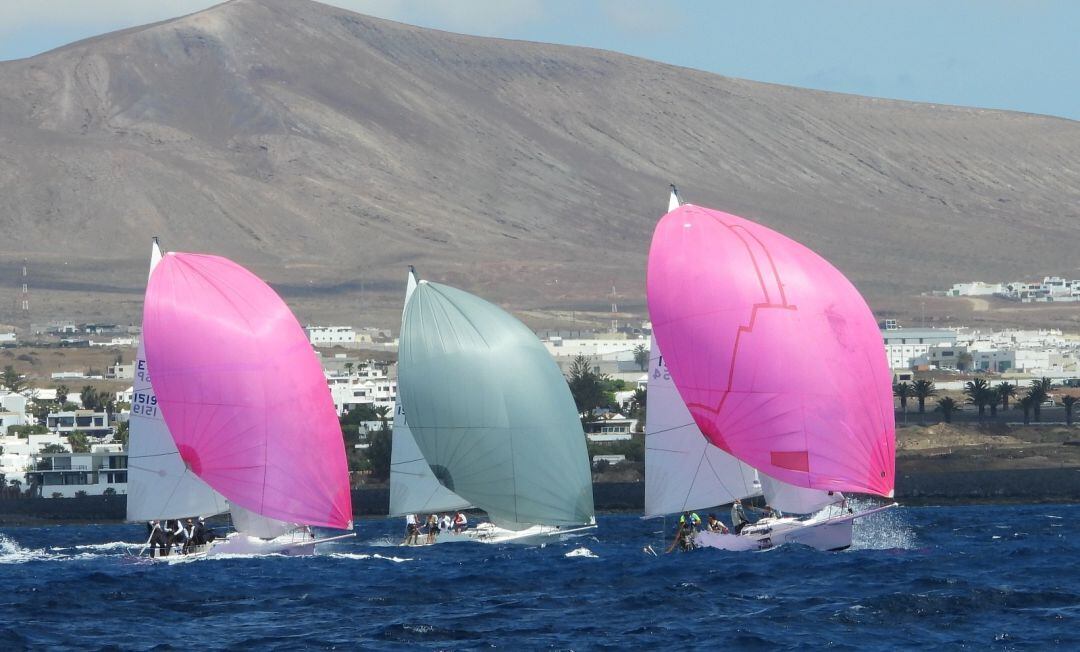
{"points": [[923, 389], [1025, 405], [947, 406], [1068, 402], [348, 368], [1039, 392], [383, 412], [995, 398], [638, 402], [903, 392], [61, 395], [12, 380], [963, 361], [978, 392], [641, 356], [1006, 390]]}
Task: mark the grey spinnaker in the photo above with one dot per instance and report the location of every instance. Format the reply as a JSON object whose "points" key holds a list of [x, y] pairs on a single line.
{"points": [[490, 410]]}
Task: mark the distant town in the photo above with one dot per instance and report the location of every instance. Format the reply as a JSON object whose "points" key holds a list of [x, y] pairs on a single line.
{"points": [[62, 437]]}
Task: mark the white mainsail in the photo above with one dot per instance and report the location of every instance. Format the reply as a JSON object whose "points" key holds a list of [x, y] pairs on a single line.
{"points": [[160, 486], [683, 470], [413, 487]]}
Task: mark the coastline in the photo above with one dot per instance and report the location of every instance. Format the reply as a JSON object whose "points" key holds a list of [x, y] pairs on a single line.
{"points": [[913, 488]]}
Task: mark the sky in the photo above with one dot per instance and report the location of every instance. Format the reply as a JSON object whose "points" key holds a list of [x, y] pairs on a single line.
{"points": [[1021, 55]]}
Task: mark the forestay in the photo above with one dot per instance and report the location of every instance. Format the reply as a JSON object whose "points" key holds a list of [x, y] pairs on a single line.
{"points": [[774, 352], [243, 393], [490, 410], [160, 485], [683, 470]]}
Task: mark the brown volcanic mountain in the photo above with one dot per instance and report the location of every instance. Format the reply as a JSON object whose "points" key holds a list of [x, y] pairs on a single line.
{"points": [[326, 150]]}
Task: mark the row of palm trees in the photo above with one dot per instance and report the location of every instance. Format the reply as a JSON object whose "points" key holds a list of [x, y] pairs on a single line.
{"points": [[983, 396]]}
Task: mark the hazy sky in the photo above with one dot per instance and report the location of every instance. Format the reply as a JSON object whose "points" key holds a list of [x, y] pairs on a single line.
{"points": [[1012, 54]]}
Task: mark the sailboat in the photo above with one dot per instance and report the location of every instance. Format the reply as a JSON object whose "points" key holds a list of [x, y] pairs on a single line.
{"points": [[414, 489], [492, 417], [242, 396], [160, 485], [774, 356]]}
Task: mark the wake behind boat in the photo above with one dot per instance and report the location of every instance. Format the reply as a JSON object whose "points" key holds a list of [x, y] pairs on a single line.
{"points": [[776, 372]]}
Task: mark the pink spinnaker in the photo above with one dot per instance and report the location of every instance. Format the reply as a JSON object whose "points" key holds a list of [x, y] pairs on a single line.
{"points": [[774, 351], [242, 392]]}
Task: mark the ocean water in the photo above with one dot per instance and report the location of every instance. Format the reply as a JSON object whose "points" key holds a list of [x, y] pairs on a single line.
{"points": [[979, 577]]}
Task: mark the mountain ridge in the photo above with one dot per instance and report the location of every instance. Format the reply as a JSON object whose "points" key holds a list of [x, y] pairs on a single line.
{"points": [[325, 149]]}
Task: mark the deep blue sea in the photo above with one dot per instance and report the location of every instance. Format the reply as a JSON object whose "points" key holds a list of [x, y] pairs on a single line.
{"points": [[980, 577]]}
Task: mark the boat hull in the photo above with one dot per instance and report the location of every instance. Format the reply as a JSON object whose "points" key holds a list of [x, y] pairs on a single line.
{"points": [[493, 534], [290, 544], [827, 530]]}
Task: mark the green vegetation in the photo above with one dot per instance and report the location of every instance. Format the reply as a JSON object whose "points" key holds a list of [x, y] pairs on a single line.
{"points": [[11, 380], [586, 386], [903, 392], [1068, 402], [923, 389], [979, 394], [1005, 391], [946, 406], [641, 357], [123, 430], [633, 448], [23, 431], [376, 457], [1039, 392], [79, 443]]}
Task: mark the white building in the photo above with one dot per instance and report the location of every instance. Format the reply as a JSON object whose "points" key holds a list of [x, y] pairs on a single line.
{"points": [[559, 347], [13, 403], [614, 428], [905, 346], [130, 342], [975, 289], [9, 419], [366, 383], [88, 422], [7, 338], [1050, 289], [64, 475], [330, 335], [19, 453], [121, 371]]}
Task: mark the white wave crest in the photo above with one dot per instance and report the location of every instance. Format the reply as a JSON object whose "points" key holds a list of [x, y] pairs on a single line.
{"points": [[581, 552], [12, 553]]}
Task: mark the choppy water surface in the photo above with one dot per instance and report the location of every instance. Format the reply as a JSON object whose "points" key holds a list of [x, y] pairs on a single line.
{"points": [[997, 577]]}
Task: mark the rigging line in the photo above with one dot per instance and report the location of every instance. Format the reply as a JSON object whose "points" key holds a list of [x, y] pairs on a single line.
{"points": [[660, 432]]}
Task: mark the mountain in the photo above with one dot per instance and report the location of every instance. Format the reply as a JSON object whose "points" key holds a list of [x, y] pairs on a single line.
{"points": [[327, 150]]}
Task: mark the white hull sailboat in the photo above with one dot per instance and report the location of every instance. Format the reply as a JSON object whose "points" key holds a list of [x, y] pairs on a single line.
{"points": [[224, 351], [831, 529], [485, 420], [727, 330]]}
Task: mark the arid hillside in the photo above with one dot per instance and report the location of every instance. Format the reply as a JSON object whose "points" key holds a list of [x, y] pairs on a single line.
{"points": [[326, 150]]}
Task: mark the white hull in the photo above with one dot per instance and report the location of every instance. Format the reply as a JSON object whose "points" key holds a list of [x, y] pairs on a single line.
{"points": [[829, 529], [493, 534], [293, 544]]}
